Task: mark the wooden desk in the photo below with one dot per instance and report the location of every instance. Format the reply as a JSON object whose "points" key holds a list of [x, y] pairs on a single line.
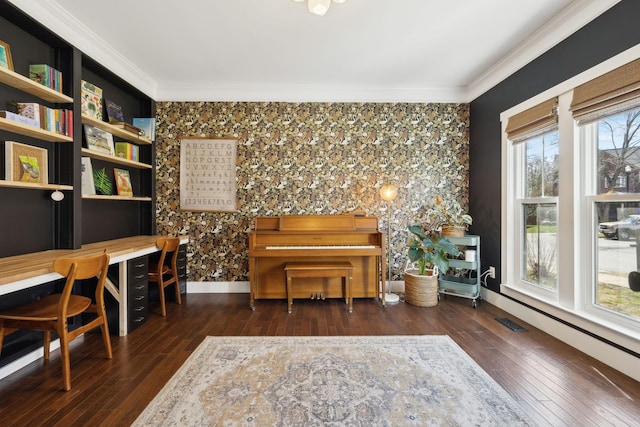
{"points": [[29, 270]]}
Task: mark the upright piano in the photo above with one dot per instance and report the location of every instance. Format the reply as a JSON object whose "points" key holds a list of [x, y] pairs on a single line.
{"points": [[275, 241]]}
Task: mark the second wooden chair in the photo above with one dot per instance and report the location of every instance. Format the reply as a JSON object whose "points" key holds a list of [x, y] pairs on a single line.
{"points": [[163, 274]]}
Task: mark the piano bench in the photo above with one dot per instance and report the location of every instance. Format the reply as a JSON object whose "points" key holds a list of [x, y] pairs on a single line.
{"points": [[324, 269]]}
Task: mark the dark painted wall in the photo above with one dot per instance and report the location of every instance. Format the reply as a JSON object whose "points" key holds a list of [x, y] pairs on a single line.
{"points": [[608, 35]]}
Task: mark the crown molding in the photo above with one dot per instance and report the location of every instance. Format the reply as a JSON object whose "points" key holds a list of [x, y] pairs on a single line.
{"points": [[277, 93], [570, 20], [57, 19], [60, 21]]}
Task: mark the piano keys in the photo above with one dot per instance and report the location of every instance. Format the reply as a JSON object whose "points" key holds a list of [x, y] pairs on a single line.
{"points": [[275, 241]]}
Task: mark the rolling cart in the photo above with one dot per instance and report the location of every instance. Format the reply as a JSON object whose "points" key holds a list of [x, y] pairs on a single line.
{"points": [[469, 285]]}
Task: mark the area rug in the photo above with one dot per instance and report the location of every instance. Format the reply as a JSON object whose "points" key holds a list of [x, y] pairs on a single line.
{"points": [[332, 381]]}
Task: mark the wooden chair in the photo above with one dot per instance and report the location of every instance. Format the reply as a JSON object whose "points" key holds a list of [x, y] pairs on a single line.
{"points": [[165, 275], [52, 312]]}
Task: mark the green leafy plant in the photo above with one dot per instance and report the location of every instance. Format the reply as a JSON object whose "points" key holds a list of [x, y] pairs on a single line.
{"points": [[430, 249], [447, 212], [102, 182]]}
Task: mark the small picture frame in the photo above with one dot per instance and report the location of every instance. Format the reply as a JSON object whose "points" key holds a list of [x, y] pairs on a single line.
{"points": [[99, 140], [26, 163], [5, 56]]}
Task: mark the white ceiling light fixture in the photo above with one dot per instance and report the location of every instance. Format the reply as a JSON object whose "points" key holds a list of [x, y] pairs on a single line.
{"points": [[319, 7]]}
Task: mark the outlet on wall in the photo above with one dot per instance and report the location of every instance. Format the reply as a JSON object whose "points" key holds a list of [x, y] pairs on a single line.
{"points": [[492, 272]]}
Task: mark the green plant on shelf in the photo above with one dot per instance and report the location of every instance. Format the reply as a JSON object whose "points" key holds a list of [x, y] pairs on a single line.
{"points": [[102, 182]]}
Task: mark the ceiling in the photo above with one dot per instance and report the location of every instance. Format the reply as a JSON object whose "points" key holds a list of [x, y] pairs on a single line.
{"points": [[276, 50]]}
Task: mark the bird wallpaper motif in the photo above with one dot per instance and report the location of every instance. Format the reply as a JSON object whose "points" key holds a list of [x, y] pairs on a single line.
{"points": [[311, 158]]}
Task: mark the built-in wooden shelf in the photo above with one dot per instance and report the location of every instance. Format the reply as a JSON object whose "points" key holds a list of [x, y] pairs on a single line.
{"points": [[34, 186], [34, 132], [114, 159], [116, 131], [116, 197], [27, 85]]}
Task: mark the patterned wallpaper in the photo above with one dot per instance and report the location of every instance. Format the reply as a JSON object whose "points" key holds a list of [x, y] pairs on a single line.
{"points": [[311, 158]]}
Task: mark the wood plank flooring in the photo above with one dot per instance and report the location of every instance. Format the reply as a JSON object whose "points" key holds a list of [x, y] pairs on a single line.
{"points": [[555, 384]]}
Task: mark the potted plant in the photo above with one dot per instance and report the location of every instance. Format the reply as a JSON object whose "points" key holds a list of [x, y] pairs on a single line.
{"points": [[429, 250], [448, 217]]}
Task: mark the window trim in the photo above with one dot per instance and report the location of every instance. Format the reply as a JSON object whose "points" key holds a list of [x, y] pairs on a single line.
{"points": [[570, 303]]}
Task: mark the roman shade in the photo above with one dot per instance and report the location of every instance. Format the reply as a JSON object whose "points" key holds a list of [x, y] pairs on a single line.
{"points": [[534, 121], [613, 92]]}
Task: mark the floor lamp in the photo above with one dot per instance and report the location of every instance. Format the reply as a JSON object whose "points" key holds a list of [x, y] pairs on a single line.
{"points": [[389, 192]]}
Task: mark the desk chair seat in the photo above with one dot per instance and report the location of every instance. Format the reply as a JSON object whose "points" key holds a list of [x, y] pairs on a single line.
{"points": [[163, 274], [52, 312]]}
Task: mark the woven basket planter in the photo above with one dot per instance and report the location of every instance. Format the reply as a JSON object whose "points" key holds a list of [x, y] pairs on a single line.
{"points": [[453, 230], [421, 290]]}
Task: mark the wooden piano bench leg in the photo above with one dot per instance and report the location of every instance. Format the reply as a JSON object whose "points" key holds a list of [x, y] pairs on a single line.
{"points": [[289, 295], [349, 280]]}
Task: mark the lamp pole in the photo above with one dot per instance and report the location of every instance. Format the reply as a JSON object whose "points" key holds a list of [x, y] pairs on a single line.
{"points": [[389, 192]]}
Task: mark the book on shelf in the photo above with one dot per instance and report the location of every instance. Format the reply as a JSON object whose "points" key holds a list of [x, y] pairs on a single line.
{"points": [[31, 110], [46, 75], [19, 119], [114, 111], [123, 182], [25, 163], [147, 126], [102, 182], [127, 151], [50, 119], [90, 100], [127, 126], [88, 186], [99, 140]]}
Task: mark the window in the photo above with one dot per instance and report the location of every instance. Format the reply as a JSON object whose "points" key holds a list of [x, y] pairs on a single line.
{"points": [[540, 210], [616, 203], [572, 203], [536, 149]]}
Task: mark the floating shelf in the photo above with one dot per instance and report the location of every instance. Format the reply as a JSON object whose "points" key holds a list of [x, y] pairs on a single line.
{"points": [[114, 159], [116, 197], [33, 186], [34, 132], [116, 131], [27, 85]]}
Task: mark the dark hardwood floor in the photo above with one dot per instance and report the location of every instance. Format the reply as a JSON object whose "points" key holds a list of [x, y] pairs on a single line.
{"points": [[555, 384]]}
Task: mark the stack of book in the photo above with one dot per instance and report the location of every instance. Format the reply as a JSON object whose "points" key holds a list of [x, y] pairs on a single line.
{"points": [[127, 151], [50, 119], [46, 75]]}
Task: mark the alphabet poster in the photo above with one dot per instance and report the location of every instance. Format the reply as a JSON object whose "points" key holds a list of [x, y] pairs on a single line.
{"points": [[208, 174]]}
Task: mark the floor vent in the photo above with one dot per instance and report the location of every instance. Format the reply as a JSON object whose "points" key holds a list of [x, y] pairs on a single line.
{"points": [[510, 324]]}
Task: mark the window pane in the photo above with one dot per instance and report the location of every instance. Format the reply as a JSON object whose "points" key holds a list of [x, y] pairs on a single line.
{"points": [[542, 165], [618, 155], [541, 242], [618, 255]]}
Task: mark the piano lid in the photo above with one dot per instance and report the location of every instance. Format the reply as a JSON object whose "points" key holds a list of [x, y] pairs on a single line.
{"points": [[316, 223]]}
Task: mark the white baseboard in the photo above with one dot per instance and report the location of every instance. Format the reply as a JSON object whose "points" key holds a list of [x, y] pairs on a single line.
{"points": [[243, 287], [217, 287], [18, 364], [600, 350]]}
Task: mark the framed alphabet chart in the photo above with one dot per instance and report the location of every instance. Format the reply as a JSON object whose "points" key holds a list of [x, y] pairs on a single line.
{"points": [[208, 174]]}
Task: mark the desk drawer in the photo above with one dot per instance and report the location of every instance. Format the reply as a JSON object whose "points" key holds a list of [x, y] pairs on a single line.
{"points": [[138, 269]]}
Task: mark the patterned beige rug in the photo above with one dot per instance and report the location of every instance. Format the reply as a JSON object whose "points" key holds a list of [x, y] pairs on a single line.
{"points": [[331, 381]]}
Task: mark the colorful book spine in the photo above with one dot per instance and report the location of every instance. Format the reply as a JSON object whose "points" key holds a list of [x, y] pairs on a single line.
{"points": [[46, 75], [127, 151]]}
